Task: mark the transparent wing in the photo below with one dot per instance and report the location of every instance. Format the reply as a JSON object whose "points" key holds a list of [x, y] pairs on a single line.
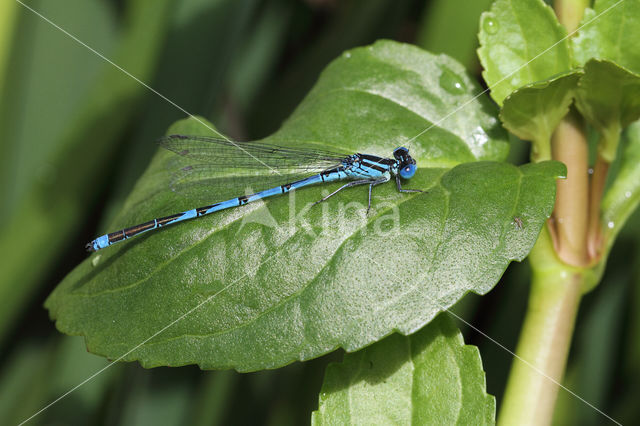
{"points": [[208, 184], [252, 155], [230, 169]]}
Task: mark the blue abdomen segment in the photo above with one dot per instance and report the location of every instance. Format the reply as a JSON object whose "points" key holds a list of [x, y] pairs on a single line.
{"points": [[124, 234]]}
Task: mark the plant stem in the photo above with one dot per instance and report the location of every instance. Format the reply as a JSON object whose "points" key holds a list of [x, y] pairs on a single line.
{"points": [[544, 340], [570, 215], [598, 180], [570, 12]]}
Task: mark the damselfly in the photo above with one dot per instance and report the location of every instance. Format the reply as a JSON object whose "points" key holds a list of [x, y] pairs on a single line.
{"points": [[290, 168]]}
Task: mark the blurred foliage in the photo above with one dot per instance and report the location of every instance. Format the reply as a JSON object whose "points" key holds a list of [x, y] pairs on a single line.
{"points": [[77, 133]]}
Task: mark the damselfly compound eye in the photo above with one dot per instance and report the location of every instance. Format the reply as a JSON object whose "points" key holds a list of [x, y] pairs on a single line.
{"points": [[407, 172]]}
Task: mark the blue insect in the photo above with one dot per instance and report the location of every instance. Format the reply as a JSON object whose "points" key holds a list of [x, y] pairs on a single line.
{"points": [[226, 166]]}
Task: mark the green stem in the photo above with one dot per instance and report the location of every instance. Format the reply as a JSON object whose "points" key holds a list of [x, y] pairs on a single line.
{"points": [[545, 338], [541, 148]]}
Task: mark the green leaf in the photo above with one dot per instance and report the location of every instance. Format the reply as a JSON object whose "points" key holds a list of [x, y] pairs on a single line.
{"points": [[521, 42], [607, 48], [532, 112], [609, 98], [611, 32], [623, 197], [280, 281], [430, 377]]}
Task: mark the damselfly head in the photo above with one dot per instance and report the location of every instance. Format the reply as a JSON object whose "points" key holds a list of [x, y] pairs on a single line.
{"points": [[406, 164]]}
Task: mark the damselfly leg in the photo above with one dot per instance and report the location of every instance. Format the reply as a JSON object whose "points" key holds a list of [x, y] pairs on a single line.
{"points": [[399, 185], [348, 185], [370, 182]]}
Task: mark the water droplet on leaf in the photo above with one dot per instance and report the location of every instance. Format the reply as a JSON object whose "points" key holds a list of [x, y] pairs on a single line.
{"points": [[490, 25], [451, 82]]}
